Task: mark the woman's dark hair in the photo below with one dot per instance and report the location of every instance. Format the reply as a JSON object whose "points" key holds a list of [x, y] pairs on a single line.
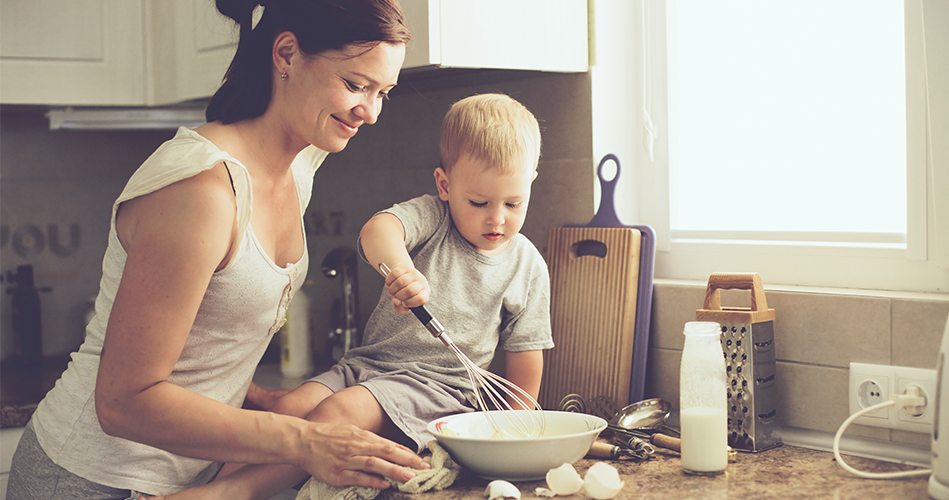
{"points": [[319, 25]]}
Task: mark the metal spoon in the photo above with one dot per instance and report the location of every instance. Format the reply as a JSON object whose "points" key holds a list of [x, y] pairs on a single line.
{"points": [[647, 419], [645, 415], [642, 420]]}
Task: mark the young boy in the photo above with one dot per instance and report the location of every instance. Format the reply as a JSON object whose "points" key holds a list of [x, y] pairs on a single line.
{"points": [[461, 255]]}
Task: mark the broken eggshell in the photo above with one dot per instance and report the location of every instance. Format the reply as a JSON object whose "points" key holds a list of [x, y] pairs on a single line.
{"points": [[501, 489], [602, 481], [564, 480], [544, 492]]}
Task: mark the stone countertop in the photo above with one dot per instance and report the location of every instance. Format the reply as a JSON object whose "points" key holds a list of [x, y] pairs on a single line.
{"points": [[785, 472]]}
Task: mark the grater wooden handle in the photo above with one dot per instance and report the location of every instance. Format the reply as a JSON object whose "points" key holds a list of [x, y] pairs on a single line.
{"points": [[734, 281]]}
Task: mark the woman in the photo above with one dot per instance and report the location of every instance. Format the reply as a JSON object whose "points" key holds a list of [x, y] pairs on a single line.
{"points": [[206, 249]]}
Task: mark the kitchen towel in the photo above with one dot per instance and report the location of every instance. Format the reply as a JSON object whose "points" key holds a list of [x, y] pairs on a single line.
{"points": [[440, 476]]}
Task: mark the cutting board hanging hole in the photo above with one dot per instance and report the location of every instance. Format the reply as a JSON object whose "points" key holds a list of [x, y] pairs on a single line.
{"points": [[586, 248], [606, 171]]}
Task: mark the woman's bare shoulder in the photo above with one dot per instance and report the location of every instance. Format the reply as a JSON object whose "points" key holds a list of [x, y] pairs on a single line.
{"points": [[201, 206]]}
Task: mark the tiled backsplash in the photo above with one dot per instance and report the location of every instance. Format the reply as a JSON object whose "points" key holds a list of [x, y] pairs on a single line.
{"points": [[817, 335], [56, 194], [69, 179]]}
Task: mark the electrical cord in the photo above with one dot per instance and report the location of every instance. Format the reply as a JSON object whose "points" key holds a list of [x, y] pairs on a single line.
{"points": [[904, 401]]}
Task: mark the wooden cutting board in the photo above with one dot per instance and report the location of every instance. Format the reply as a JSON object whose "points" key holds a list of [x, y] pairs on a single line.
{"points": [[593, 313], [601, 282]]}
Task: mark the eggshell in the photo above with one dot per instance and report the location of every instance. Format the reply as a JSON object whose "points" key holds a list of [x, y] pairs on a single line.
{"points": [[602, 481], [564, 480], [501, 489]]}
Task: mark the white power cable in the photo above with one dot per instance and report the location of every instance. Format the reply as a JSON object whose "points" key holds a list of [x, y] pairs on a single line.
{"points": [[904, 401]]}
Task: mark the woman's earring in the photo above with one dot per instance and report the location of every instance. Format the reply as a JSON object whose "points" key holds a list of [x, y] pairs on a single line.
{"points": [[283, 76]]}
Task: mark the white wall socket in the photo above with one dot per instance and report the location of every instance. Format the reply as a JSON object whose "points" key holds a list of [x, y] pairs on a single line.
{"points": [[872, 384]]}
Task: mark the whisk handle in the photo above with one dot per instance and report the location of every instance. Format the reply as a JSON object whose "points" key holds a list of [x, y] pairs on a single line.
{"points": [[431, 324]]}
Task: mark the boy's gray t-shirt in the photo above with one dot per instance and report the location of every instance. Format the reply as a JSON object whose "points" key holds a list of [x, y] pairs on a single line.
{"points": [[481, 300]]}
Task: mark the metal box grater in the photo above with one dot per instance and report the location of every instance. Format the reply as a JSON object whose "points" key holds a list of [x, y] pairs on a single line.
{"points": [[748, 346]]}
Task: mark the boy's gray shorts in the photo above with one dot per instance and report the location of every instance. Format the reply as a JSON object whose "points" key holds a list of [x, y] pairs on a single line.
{"points": [[409, 399]]}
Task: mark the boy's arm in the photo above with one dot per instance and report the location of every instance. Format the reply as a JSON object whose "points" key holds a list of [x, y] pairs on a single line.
{"points": [[524, 369], [383, 241]]}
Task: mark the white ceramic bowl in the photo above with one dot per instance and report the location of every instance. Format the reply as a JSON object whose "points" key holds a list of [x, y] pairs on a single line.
{"points": [[468, 439]]}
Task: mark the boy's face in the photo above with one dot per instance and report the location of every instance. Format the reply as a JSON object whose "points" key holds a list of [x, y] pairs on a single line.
{"points": [[487, 207]]}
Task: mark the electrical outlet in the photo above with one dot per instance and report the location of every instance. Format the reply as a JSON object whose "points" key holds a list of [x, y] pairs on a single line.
{"points": [[873, 384], [870, 385], [925, 380]]}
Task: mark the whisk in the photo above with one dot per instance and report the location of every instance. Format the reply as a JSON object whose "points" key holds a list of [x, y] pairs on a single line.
{"points": [[498, 390]]}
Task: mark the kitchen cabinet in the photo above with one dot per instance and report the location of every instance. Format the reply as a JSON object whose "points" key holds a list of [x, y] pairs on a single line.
{"points": [[541, 35], [112, 52], [160, 52]]}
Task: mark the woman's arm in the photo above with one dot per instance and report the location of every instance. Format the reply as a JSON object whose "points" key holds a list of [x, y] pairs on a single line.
{"points": [[175, 239], [524, 369]]}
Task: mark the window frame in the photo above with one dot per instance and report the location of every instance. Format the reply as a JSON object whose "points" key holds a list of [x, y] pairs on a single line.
{"points": [[920, 265]]}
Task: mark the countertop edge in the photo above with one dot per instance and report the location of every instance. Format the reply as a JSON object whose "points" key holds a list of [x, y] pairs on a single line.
{"points": [[888, 451]]}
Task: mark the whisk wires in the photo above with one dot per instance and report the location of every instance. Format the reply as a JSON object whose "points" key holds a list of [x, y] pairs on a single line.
{"points": [[527, 421], [503, 395]]}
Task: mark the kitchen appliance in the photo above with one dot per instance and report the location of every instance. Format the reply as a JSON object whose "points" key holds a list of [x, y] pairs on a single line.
{"points": [[341, 261], [527, 421], [748, 344], [27, 330], [939, 480], [601, 299]]}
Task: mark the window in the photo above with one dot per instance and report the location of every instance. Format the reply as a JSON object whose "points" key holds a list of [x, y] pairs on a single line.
{"points": [[726, 186], [788, 118]]}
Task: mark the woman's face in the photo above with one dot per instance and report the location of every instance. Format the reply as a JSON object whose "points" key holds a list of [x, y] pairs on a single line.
{"points": [[330, 95]]}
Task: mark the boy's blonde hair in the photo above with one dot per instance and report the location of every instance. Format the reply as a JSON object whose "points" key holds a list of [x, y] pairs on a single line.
{"points": [[492, 128]]}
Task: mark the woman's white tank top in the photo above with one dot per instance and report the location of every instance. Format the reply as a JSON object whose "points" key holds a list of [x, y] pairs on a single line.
{"points": [[244, 305]]}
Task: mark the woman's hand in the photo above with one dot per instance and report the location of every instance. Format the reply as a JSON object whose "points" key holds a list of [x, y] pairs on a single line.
{"points": [[338, 455], [344, 455]]}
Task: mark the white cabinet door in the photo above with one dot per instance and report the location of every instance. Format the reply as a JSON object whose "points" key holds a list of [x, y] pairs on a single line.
{"points": [[543, 35], [190, 45], [112, 52], [156, 52], [82, 53]]}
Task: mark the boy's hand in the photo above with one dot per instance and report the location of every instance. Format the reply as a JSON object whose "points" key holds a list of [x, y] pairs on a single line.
{"points": [[408, 287], [259, 398]]}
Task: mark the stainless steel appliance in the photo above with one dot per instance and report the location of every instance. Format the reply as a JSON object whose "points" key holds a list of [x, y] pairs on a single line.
{"points": [[939, 480]]}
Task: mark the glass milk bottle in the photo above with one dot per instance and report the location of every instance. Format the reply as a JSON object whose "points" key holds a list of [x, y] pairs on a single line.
{"points": [[702, 401]]}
